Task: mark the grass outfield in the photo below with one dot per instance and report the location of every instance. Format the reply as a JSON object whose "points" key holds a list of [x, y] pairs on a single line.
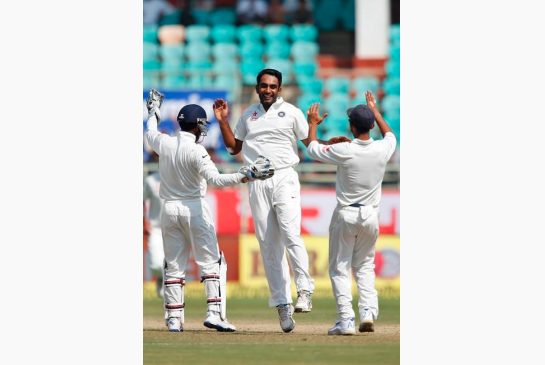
{"points": [[259, 339]]}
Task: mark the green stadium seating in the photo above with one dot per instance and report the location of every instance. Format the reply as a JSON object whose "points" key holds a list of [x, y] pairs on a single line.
{"points": [[151, 80], [304, 51], [337, 84], [150, 51], [201, 16], [199, 81], [277, 49], [306, 100], [336, 104], [172, 18], [197, 33], [172, 67], [305, 69], [222, 16], [276, 32], [284, 66], [390, 104], [391, 85], [310, 85], [199, 66], [394, 52], [225, 66], [198, 51], [363, 83], [327, 14], [150, 33], [173, 82], [249, 69], [304, 33], [152, 65], [225, 50], [392, 68], [249, 33], [223, 33], [251, 50], [348, 18], [171, 52], [394, 33]]}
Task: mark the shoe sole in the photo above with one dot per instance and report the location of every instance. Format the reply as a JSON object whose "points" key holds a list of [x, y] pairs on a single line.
{"points": [[367, 327], [218, 328], [302, 310], [288, 330], [176, 330]]}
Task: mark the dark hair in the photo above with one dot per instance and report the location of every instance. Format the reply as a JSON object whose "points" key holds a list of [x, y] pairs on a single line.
{"points": [[272, 72], [360, 127]]}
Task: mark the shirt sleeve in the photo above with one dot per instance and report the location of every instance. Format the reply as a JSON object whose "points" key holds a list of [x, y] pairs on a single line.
{"points": [[208, 170], [240, 128], [389, 141], [301, 125], [335, 154], [153, 136]]}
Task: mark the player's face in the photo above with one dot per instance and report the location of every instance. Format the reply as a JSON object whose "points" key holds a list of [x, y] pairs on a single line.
{"points": [[268, 90]]}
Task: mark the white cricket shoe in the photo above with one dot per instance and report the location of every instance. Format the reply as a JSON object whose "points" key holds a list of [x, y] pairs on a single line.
{"points": [[174, 324], [285, 313], [213, 320], [366, 324], [304, 302], [343, 327]]}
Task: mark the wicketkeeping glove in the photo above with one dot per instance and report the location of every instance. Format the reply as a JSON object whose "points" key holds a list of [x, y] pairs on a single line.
{"points": [[261, 169], [153, 103]]}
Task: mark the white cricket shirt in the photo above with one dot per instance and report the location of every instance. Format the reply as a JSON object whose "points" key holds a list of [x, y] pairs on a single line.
{"points": [[360, 167], [184, 166], [273, 133], [151, 196]]}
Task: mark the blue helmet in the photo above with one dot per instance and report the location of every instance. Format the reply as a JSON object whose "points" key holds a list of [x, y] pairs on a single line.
{"points": [[193, 115]]}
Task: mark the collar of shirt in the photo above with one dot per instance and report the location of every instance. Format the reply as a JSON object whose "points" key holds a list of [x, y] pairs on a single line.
{"points": [[188, 136], [363, 143], [277, 104]]}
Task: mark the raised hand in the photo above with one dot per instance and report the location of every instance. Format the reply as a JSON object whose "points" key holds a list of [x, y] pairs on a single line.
{"points": [[221, 110], [370, 98], [313, 114]]}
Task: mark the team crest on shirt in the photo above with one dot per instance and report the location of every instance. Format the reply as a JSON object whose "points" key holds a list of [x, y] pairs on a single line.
{"points": [[281, 114], [254, 116]]}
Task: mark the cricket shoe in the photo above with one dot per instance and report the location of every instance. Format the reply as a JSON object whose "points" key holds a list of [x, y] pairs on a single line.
{"points": [[304, 302], [285, 313], [343, 327], [366, 324], [174, 324], [213, 320]]}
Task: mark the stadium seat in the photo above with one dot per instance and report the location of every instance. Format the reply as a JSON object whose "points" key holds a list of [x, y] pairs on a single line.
{"points": [[392, 68], [394, 52], [310, 85], [249, 33], [151, 80], [202, 17], [152, 65], [222, 16], [198, 51], [249, 69], [391, 85], [225, 51], [197, 33], [348, 19], [337, 104], [306, 100], [175, 67], [199, 81], [173, 82], [363, 83], [171, 18], [226, 66], [304, 70], [230, 83], [150, 51], [394, 33], [251, 50], [304, 51], [276, 32], [304, 33], [327, 14], [171, 34], [150, 33], [171, 52], [277, 49], [199, 66], [390, 104], [337, 84], [223, 33], [284, 66]]}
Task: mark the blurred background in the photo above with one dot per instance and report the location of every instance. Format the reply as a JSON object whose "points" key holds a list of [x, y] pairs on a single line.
{"points": [[328, 51]]}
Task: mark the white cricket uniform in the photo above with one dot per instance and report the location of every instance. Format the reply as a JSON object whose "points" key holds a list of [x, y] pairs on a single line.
{"points": [[276, 202], [186, 220], [153, 207], [354, 230]]}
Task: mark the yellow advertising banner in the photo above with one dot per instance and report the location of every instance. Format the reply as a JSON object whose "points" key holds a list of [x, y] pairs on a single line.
{"points": [[252, 273]]}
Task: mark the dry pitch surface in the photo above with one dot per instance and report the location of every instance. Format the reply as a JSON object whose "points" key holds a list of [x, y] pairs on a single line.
{"points": [[259, 339]]}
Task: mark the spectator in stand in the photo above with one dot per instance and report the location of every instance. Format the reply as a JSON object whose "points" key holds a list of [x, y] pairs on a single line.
{"points": [[303, 13], [251, 11], [204, 5], [154, 10], [276, 12]]}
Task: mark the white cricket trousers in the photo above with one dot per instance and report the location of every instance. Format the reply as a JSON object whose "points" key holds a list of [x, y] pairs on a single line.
{"points": [[353, 233], [187, 225], [156, 255], [276, 210]]}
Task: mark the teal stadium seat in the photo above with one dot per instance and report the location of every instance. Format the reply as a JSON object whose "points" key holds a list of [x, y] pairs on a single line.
{"points": [[284, 66], [391, 85], [198, 51], [171, 52], [276, 32], [225, 51], [337, 84], [151, 80], [249, 69], [310, 85], [304, 70], [327, 14], [390, 104], [277, 49], [392, 68], [249, 33], [226, 66], [150, 33], [363, 83], [222, 16], [150, 51], [197, 33], [394, 52], [172, 18], [303, 33], [200, 81], [336, 104], [173, 82], [304, 51], [199, 66], [202, 17], [306, 100], [152, 65], [228, 82], [395, 33], [175, 67], [348, 18], [251, 50], [223, 33]]}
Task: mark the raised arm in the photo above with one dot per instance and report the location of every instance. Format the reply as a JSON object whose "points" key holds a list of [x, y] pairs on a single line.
{"points": [[314, 119], [221, 111], [372, 104]]}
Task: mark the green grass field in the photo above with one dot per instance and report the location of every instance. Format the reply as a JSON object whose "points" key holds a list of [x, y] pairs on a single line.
{"points": [[259, 339]]}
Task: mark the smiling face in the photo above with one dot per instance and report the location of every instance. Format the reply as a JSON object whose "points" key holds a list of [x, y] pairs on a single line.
{"points": [[268, 89]]}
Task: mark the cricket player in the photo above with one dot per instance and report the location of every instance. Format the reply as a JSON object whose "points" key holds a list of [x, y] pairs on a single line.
{"points": [[186, 222], [354, 225], [152, 208], [272, 128]]}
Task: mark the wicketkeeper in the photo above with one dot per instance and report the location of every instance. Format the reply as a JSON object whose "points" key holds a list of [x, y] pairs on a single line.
{"points": [[186, 221]]}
